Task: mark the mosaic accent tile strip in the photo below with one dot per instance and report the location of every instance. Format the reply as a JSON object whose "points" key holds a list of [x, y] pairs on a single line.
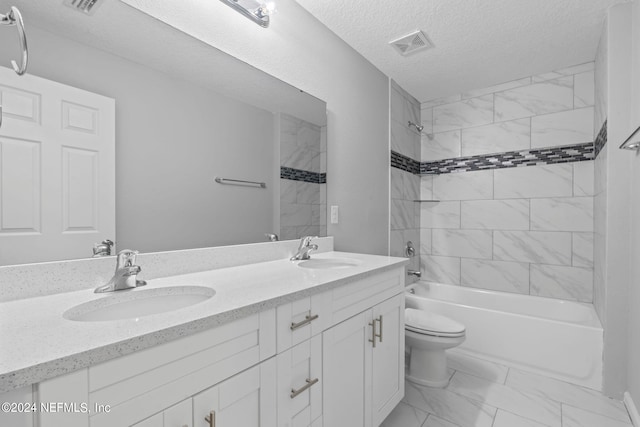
{"points": [[405, 163], [302, 175], [601, 139], [511, 159]]}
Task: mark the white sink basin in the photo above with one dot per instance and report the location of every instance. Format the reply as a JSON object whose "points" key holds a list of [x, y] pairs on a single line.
{"points": [[329, 263], [138, 303]]}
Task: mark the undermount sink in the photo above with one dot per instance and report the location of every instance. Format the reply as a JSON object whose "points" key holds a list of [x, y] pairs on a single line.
{"points": [[329, 263], [138, 303]]}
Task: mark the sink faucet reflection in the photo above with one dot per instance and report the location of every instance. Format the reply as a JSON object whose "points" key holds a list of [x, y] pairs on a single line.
{"points": [[125, 275], [304, 248]]}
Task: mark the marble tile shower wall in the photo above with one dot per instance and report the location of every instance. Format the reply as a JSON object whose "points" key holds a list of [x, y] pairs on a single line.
{"points": [[405, 186], [546, 110], [527, 230], [303, 206]]}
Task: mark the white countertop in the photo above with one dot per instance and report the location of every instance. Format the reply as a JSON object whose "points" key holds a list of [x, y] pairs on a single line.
{"points": [[37, 342]]}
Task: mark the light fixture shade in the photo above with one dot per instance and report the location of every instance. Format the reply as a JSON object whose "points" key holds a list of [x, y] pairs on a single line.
{"points": [[258, 14], [633, 142]]}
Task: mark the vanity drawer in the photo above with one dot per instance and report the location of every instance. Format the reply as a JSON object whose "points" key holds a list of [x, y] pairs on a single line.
{"points": [[356, 297], [300, 384], [146, 382], [300, 320]]}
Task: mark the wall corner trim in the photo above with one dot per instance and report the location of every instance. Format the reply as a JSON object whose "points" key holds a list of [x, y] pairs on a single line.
{"points": [[632, 409]]}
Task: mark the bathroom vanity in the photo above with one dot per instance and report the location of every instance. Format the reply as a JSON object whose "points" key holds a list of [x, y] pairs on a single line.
{"points": [[280, 343]]}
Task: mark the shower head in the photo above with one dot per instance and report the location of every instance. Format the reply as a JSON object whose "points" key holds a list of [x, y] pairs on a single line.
{"points": [[418, 127]]}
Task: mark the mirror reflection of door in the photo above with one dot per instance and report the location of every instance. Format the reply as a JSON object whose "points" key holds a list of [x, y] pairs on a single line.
{"points": [[57, 163]]}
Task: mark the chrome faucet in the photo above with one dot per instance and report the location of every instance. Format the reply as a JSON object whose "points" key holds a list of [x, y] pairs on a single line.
{"points": [[304, 248], [125, 275], [102, 249], [271, 237]]}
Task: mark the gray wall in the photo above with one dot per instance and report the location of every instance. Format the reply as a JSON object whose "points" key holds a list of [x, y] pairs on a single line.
{"points": [[172, 139]]}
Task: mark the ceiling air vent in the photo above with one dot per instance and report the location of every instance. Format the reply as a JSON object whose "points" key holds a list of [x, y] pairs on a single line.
{"points": [[411, 43], [88, 7]]}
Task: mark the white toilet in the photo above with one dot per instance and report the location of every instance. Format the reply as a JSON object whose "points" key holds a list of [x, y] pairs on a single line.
{"points": [[428, 335]]}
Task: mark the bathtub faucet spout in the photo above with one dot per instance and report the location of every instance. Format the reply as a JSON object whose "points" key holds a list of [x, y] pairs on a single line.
{"points": [[414, 273]]}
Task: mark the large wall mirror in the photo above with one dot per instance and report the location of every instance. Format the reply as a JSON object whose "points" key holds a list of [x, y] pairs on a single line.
{"points": [[121, 126]]}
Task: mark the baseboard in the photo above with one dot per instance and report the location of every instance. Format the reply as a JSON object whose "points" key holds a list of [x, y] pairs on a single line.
{"points": [[632, 409]]}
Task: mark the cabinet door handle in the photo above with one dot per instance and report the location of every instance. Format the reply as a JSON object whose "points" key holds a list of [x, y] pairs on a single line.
{"points": [[211, 419], [373, 333], [379, 335], [309, 383], [307, 319]]}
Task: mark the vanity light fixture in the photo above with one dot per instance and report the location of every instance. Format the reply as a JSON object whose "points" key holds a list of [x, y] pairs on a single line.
{"points": [[258, 13], [633, 142]]}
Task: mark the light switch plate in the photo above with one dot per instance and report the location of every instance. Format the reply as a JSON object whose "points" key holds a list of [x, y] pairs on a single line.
{"points": [[334, 214]]}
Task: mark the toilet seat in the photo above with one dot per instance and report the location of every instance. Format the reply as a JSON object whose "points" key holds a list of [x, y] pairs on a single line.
{"points": [[426, 323]]}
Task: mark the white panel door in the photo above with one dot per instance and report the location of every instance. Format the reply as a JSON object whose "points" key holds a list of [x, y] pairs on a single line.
{"points": [[57, 170], [247, 399], [346, 371], [387, 364]]}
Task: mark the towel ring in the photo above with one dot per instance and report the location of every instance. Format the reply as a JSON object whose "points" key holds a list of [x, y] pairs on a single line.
{"points": [[14, 17]]}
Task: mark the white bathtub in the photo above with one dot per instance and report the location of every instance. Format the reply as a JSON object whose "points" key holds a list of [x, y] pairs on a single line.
{"points": [[560, 339]]}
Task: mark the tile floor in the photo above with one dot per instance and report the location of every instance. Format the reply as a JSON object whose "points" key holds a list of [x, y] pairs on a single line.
{"points": [[486, 394]]}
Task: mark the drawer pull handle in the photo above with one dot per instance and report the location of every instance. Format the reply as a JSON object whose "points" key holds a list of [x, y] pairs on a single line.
{"points": [[379, 335], [211, 419], [309, 383], [373, 333], [307, 319]]}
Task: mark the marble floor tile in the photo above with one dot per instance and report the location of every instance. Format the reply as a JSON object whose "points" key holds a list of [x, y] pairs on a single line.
{"points": [[452, 407], [567, 393], [434, 421], [575, 417], [530, 406], [507, 419], [483, 393], [405, 416], [480, 368]]}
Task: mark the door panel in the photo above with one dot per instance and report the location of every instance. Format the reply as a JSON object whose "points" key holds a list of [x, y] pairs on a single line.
{"points": [[346, 364], [57, 170], [388, 358]]}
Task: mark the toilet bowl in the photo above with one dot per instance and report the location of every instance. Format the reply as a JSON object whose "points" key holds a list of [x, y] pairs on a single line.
{"points": [[428, 335]]}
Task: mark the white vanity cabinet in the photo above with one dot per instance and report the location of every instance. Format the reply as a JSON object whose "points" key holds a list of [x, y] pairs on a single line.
{"points": [[363, 366], [332, 359]]}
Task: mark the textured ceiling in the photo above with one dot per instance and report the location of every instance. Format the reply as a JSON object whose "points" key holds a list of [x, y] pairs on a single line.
{"points": [[478, 43]]}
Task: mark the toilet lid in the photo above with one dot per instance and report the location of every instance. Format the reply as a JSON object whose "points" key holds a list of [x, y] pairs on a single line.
{"points": [[430, 323]]}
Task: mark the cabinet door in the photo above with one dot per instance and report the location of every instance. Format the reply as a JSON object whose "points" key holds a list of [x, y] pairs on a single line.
{"points": [[247, 400], [387, 363], [179, 415], [300, 384], [154, 421], [346, 365], [23, 396]]}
